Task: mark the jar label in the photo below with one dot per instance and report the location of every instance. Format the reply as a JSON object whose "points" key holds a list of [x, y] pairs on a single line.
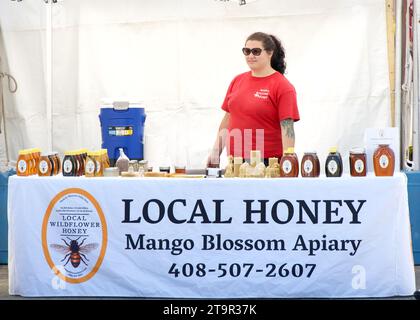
{"points": [[67, 166], [332, 167], [90, 167], [359, 166], [43, 167], [22, 166], [383, 161], [287, 166], [308, 166]]}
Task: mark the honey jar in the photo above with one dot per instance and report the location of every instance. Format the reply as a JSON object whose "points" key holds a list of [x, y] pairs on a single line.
{"points": [[357, 161], [384, 160], [69, 164], [45, 166], [90, 165], [23, 164], [310, 166], [289, 164], [334, 164]]}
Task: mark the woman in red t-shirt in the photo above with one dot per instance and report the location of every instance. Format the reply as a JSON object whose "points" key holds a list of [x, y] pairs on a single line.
{"points": [[260, 105]]}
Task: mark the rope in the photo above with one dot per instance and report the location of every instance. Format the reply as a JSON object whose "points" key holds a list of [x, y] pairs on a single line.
{"points": [[11, 81]]}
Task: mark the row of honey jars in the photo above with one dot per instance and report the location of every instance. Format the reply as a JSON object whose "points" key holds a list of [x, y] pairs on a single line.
{"points": [[383, 162], [49, 164], [27, 163], [96, 162]]}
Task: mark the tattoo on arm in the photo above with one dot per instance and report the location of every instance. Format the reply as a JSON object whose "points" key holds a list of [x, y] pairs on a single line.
{"points": [[287, 128]]}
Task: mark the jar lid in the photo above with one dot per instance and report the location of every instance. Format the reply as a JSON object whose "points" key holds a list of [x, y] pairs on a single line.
{"points": [[290, 150], [133, 161], [310, 152], [357, 150], [333, 150], [164, 168], [179, 167]]}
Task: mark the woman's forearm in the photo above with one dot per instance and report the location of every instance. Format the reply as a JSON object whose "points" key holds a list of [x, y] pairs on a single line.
{"points": [[287, 134]]}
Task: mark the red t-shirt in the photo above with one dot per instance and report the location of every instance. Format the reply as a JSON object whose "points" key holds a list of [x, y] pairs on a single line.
{"points": [[259, 103]]}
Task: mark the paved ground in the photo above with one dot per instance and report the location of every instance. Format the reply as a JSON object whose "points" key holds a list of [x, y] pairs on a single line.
{"points": [[4, 285]]}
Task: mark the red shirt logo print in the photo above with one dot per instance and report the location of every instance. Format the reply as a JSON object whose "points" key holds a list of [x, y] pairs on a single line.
{"points": [[262, 94]]}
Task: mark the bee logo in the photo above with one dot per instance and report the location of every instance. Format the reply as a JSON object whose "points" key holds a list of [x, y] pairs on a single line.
{"points": [[74, 251], [75, 257]]}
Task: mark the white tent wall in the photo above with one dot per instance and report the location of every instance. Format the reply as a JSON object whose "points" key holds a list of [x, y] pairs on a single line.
{"points": [[179, 57]]}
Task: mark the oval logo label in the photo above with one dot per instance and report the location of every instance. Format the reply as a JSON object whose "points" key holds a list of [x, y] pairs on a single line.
{"points": [[74, 235]]}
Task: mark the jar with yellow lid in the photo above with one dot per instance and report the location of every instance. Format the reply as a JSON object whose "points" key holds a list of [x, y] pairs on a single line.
{"points": [[69, 166], [90, 164], [45, 166], [99, 164], [289, 164], [23, 163]]}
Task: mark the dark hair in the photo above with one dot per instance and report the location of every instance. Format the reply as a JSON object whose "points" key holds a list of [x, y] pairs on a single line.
{"points": [[271, 44]]}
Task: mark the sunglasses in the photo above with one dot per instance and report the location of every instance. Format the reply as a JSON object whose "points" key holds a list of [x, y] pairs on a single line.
{"points": [[254, 51]]}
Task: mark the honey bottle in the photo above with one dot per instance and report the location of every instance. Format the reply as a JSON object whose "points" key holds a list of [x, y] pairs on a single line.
{"points": [[289, 164], [31, 162], [69, 164], [90, 165], [105, 154], [310, 166], [99, 165], [334, 164], [37, 156], [57, 163], [384, 160], [23, 163], [45, 166], [357, 161]]}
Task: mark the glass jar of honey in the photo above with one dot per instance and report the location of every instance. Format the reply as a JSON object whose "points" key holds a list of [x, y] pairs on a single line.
{"points": [[69, 164], [45, 166], [90, 165], [384, 160], [99, 164], [22, 164], [334, 164], [357, 161], [57, 163], [289, 164], [310, 166]]}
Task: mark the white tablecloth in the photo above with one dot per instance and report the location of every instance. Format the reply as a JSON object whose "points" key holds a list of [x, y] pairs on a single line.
{"points": [[210, 238]]}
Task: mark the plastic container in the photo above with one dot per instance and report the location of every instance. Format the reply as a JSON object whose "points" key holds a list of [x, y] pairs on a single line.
{"points": [[413, 186], [4, 178], [122, 126]]}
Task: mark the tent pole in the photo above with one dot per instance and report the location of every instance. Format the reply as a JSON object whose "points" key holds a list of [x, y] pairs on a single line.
{"points": [[398, 54], [49, 82], [415, 89]]}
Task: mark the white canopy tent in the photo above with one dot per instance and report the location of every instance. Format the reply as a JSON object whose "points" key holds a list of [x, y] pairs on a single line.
{"points": [[178, 58]]}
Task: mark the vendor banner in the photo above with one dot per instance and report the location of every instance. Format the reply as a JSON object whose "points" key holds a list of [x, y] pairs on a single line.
{"points": [[210, 238]]}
